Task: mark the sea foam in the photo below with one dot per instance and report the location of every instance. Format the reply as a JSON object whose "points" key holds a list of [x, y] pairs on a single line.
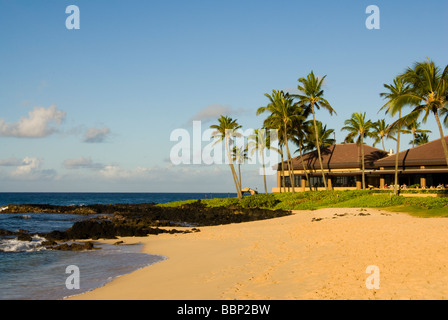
{"points": [[14, 245]]}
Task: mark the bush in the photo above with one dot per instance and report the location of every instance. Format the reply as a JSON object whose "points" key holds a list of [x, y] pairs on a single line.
{"points": [[259, 201], [428, 203], [220, 202]]}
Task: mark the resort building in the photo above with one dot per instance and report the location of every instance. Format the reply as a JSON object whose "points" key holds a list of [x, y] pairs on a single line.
{"points": [[424, 166]]}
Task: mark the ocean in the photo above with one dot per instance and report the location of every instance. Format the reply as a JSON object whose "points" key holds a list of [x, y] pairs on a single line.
{"points": [[29, 272]]}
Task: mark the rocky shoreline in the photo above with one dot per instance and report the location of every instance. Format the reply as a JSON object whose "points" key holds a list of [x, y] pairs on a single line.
{"points": [[127, 220]]}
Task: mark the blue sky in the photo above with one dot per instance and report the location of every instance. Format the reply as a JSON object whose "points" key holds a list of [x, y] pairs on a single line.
{"points": [[93, 109]]}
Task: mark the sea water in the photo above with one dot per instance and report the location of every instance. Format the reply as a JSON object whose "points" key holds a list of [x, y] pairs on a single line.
{"points": [[30, 272]]}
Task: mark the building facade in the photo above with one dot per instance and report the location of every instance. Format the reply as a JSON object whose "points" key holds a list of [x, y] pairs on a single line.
{"points": [[424, 166]]}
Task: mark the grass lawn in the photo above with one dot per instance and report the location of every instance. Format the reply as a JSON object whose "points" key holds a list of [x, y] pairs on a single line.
{"points": [[312, 200]]}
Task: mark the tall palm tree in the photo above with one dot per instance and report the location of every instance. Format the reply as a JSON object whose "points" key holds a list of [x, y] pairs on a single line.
{"points": [[429, 94], [381, 132], [283, 111], [225, 130], [360, 128], [239, 155], [395, 102], [311, 95], [260, 141], [414, 129]]}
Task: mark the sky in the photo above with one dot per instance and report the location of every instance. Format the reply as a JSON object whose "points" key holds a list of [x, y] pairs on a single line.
{"points": [[95, 109]]}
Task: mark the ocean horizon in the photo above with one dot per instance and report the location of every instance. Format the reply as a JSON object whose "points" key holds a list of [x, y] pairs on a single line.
{"points": [[88, 198], [30, 272]]}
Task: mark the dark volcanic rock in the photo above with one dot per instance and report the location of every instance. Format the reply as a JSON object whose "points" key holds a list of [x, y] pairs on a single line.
{"points": [[4, 232], [195, 213], [74, 246], [126, 220], [104, 229], [24, 237]]}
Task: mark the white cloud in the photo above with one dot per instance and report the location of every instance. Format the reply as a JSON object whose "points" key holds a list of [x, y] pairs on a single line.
{"points": [[214, 111], [94, 135], [115, 172], [29, 169], [28, 166], [41, 122], [82, 163]]}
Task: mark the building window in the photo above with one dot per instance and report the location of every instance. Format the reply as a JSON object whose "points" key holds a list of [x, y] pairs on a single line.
{"points": [[344, 181], [286, 181], [317, 182], [435, 180]]}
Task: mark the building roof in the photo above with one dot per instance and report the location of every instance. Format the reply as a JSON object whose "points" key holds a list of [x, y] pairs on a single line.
{"points": [[428, 154], [338, 156]]}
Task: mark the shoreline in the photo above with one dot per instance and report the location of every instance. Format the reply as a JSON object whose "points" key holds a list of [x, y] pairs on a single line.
{"points": [[319, 254], [110, 279]]}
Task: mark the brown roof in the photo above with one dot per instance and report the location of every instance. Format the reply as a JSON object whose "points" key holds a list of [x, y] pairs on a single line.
{"points": [[428, 154], [338, 156]]}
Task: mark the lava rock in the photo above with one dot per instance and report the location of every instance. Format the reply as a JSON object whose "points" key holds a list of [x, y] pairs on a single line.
{"points": [[74, 246]]}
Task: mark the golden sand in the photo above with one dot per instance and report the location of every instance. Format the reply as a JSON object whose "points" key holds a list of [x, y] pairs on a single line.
{"points": [[320, 254]]}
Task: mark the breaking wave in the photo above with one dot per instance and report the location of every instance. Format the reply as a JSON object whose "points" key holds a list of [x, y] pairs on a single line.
{"points": [[14, 245]]}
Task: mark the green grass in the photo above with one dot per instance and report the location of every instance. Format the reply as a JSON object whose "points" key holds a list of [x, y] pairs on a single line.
{"points": [[312, 200], [420, 212], [175, 203]]}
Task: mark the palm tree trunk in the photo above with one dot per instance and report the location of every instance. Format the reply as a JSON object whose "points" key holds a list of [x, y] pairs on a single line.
{"points": [[396, 157], [304, 169], [445, 148], [232, 168], [235, 180], [363, 165], [382, 141], [288, 154], [264, 173], [413, 138], [318, 147], [282, 178], [239, 172]]}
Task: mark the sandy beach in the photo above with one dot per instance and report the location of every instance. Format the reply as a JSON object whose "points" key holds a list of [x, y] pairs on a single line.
{"points": [[320, 254]]}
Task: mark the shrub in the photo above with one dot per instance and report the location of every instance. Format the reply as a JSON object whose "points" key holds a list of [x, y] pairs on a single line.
{"points": [[259, 201]]}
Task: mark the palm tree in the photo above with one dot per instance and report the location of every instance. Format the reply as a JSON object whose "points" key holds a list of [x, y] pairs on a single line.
{"points": [[381, 132], [324, 134], [239, 155], [359, 128], [283, 111], [311, 95], [259, 141], [395, 103], [414, 129], [421, 138], [429, 94], [226, 130]]}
